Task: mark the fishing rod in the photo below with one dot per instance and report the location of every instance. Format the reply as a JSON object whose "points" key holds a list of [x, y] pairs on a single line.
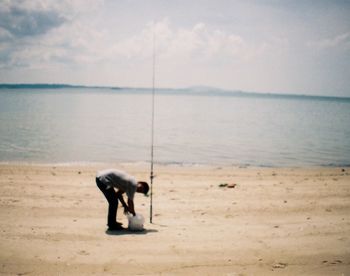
{"points": [[152, 128]]}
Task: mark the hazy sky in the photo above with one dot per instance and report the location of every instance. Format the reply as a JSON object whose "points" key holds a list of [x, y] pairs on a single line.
{"points": [[300, 47]]}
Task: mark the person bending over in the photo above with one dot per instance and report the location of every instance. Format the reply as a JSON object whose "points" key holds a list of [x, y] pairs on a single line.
{"points": [[109, 179]]}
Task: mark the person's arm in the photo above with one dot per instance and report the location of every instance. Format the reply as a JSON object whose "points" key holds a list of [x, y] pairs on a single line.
{"points": [[121, 199], [131, 206]]}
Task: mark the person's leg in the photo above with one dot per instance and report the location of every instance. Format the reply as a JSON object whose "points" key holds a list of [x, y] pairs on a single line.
{"points": [[112, 199]]}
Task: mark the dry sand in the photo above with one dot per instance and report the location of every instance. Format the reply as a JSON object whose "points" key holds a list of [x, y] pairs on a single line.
{"points": [[285, 221]]}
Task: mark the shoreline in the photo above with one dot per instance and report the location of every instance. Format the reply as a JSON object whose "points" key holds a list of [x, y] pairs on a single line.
{"points": [[165, 164], [273, 220]]}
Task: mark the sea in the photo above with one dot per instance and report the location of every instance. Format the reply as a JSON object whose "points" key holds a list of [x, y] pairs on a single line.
{"points": [[205, 127]]}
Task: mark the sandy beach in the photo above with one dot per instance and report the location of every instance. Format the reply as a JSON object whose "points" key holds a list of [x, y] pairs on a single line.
{"points": [[207, 221]]}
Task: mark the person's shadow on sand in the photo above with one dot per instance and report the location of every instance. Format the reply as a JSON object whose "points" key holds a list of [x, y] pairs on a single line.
{"points": [[126, 231]]}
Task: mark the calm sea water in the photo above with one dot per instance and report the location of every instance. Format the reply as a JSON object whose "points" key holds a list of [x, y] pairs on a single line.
{"points": [[101, 125]]}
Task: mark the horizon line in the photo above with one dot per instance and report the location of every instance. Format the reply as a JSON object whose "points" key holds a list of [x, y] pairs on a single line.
{"points": [[201, 89]]}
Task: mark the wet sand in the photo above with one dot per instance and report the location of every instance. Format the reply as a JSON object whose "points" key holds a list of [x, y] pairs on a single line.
{"points": [[207, 221]]}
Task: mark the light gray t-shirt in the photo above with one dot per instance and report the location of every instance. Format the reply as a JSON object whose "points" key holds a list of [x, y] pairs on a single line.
{"points": [[118, 179]]}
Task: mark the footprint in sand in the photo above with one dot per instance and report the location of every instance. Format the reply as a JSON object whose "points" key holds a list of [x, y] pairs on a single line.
{"points": [[336, 262], [279, 265], [83, 252]]}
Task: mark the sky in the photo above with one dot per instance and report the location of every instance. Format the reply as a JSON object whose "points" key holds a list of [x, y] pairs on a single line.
{"points": [[292, 47]]}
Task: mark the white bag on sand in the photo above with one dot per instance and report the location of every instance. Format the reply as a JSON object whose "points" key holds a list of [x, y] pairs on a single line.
{"points": [[136, 222]]}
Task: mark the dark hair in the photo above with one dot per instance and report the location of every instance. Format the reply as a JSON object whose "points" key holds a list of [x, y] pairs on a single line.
{"points": [[145, 187]]}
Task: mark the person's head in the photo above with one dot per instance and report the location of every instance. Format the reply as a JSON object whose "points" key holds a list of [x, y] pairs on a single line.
{"points": [[142, 187]]}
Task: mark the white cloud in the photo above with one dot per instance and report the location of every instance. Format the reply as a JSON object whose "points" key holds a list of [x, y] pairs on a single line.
{"points": [[196, 42], [4, 34], [338, 41], [80, 43], [40, 34]]}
